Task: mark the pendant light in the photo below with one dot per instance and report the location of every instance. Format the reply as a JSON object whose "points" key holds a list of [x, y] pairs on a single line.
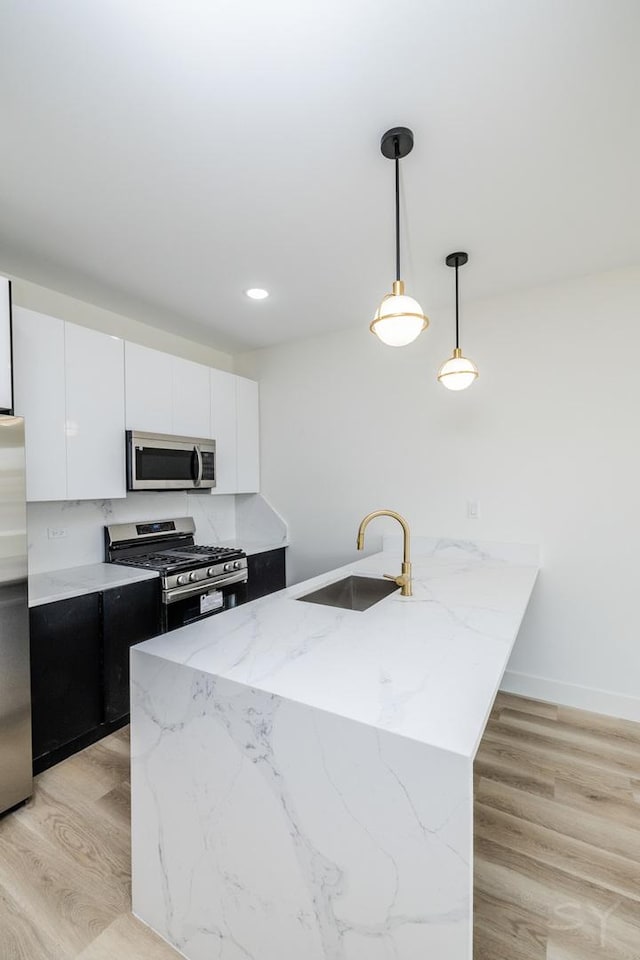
{"points": [[458, 372], [399, 319]]}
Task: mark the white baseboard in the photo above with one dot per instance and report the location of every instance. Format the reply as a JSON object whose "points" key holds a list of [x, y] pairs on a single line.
{"points": [[571, 695]]}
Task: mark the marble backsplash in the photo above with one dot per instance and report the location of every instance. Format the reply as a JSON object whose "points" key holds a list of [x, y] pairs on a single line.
{"points": [[217, 518], [256, 520]]}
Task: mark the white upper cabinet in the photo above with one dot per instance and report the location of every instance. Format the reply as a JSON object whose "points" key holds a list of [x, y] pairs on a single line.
{"points": [[69, 387], [223, 430], [191, 399], [166, 394], [79, 389], [149, 399], [39, 387], [94, 367], [248, 436]]}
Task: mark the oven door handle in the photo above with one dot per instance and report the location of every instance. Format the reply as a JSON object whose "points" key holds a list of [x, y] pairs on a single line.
{"points": [[181, 593], [197, 480]]}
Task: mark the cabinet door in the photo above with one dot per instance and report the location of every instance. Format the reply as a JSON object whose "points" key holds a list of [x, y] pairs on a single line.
{"points": [[267, 573], [38, 374], [148, 379], [131, 614], [191, 399], [248, 436], [94, 377], [223, 430], [66, 682]]}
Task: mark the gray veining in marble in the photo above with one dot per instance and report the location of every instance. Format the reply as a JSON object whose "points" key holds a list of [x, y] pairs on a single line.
{"points": [[425, 666], [302, 775], [247, 521]]}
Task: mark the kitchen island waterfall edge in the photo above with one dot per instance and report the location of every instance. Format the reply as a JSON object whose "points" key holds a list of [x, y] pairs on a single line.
{"points": [[302, 775]]}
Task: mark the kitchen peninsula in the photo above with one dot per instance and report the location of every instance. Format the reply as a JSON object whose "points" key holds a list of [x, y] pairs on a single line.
{"points": [[302, 774]]}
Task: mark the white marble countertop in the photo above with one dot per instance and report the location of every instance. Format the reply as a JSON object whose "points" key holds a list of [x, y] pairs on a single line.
{"points": [[425, 667], [77, 581], [93, 577], [251, 547]]}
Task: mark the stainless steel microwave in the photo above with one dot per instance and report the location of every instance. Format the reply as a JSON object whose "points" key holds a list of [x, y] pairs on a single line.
{"points": [[159, 461]]}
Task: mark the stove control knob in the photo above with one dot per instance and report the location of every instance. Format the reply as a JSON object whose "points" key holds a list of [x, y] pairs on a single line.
{"points": [[193, 576], [211, 572], [227, 567], [181, 579], [237, 565]]}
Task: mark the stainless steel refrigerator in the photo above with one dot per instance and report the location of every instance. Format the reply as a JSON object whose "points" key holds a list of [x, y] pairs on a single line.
{"points": [[15, 687]]}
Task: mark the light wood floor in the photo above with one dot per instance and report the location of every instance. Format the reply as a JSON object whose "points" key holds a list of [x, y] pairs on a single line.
{"points": [[65, 865], [557, 830], [557, 847]]}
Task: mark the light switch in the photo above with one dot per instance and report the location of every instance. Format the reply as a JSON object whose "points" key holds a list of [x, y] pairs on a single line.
{"points": [[473, 510]]}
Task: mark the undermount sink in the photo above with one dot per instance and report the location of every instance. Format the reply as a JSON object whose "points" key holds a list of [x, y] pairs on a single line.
{"points": [[352, 593]]}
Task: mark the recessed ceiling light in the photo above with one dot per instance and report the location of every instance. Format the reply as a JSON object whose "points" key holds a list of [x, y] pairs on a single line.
{"points": [[257, 293]]}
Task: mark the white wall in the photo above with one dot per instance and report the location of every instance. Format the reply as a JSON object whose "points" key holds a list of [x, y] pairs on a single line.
{"points": [[547, 440], [44, 300]]}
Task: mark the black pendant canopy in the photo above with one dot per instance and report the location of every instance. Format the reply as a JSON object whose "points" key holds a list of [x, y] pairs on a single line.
{"points": [[397, 142], [456, 259]]}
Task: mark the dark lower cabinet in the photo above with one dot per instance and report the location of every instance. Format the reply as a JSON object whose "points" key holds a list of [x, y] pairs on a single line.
{"points": [[80, 657], [267, 573], [80, 666], [66, 674], [131, 614]]}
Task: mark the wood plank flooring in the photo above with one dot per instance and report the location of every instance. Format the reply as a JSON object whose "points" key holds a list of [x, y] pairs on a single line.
{"points": [[65, 865], [557, 835], [557, 847]]}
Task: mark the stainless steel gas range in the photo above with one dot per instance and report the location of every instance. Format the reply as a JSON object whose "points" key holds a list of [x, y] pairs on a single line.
{"points": [[196, 581]]}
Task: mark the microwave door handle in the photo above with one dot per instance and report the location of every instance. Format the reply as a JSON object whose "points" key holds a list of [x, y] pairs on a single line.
{"points": [[198, 478]]}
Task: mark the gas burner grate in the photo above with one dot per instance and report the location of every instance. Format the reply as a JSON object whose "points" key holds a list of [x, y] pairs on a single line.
{"points": [[217, 551]]}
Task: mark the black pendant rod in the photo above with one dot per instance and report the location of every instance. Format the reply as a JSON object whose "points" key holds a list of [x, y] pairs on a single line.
{"points": [[397, 143], [457, 311], [457, 260], [396, 147]]}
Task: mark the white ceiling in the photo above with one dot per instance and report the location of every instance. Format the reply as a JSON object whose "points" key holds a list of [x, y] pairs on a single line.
{"points": [[159, 157]]}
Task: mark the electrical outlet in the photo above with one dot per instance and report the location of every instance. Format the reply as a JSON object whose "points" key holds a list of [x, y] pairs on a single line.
{"points": [[56, 533], [473, 510]]}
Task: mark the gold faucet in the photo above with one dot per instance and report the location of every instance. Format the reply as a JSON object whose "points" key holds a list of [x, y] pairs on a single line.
{"points": [[404, 580]]}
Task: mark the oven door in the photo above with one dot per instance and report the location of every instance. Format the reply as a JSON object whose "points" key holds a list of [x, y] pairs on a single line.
{"points": [[188, 604], [164, 462]]}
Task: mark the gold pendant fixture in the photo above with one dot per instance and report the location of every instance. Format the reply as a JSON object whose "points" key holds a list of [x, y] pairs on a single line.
{"points": [[458, 372], [399, 319]]}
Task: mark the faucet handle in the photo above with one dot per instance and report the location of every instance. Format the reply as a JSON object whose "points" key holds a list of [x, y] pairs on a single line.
{"points": [[391, 576]]}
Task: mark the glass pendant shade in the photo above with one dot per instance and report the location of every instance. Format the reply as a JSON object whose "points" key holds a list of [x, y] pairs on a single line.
{"points": [[399, 319], [458, 372]]}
